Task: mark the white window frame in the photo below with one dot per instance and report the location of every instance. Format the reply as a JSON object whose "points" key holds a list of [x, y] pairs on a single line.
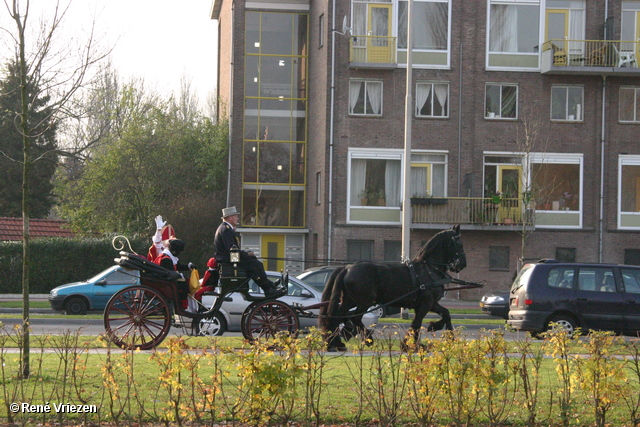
{"points": [[367, 93], [579, 110], [626, 216], [487, 113], [636, 104], [489, 53], [565, 159], [420, 97]]}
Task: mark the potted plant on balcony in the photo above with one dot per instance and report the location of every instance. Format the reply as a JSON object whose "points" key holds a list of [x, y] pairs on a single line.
{"points": [[427, 199]]}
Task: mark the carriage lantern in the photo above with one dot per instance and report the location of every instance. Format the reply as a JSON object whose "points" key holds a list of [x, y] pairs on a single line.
{"points": [[234, 254]]}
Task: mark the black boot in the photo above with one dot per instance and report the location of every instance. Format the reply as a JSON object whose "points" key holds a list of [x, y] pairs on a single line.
{"points": [[271, 290]]}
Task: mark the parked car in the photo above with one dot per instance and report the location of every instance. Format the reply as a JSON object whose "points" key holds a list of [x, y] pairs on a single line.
{"points": [[299, 293], [576, 295], [317, 276], [496, 303], [94, 293]]}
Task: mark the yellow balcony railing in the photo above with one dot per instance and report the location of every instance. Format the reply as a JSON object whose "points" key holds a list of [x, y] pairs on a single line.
{"points": [[593, 53], [373, 49]]}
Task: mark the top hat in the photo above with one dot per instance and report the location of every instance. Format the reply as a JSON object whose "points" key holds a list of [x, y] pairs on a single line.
{"points": [[229, 211]]}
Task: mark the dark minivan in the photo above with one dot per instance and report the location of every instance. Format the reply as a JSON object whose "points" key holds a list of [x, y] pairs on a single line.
{"points": [[589, 296]]}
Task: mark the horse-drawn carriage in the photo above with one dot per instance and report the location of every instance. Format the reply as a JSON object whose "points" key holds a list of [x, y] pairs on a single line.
{"points": [[140, 316]]}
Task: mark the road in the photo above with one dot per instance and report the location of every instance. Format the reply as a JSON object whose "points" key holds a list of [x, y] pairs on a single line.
{"points": [[53, 326]]}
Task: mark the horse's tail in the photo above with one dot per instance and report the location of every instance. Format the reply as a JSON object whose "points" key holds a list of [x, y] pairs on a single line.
{"points": [[331, 293]]}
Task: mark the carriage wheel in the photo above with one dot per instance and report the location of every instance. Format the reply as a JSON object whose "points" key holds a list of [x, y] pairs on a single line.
{"points": [[137, 317], [265, 319]]}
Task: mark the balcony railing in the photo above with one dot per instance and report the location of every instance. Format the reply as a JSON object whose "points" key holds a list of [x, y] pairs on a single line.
{"points": [[376, 51], [590, 53], [469, 210]]}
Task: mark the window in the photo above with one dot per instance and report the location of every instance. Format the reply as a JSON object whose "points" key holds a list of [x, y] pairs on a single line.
{"points": [[556, 186], [632, 256], [631, 280], [359, 250], [501, 101], [393, 250], [318, 188], [499, 258], [428, 175], [566, 254], [596, 280], [629, 104], [432, 100], [560, 277], [430, 23], [375, 182], [513, 33], [567, 102], [365, 97], [629, 192]]}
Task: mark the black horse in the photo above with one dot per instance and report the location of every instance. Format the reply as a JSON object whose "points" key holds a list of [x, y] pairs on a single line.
{"points": [[418, 285]]}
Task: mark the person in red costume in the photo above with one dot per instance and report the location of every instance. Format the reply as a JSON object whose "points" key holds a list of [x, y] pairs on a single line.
{"points": [[164, 232], [209, 281], [169, 260]]}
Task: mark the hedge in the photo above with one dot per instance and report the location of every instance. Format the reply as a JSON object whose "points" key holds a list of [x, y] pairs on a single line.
{"points": [[56, 261]]}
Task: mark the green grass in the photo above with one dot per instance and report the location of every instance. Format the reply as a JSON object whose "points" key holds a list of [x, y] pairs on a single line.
{"points": [[18, 304]]}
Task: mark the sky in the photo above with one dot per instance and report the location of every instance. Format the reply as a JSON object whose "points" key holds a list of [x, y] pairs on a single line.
{"points": [[157, 40]]}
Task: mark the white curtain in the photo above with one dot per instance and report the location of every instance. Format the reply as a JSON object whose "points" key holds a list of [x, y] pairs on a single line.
{"points": [[392, 183], [422, 94], [359, 24], [354, 94], [504, 28], [576, 31], [441, 95], [358, 176], [419, 182], [374, 95]]}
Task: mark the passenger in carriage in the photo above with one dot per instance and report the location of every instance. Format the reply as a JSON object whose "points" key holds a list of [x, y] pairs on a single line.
{"points": [[226, 237], [209, 281], [169, 260], [160, 240]]}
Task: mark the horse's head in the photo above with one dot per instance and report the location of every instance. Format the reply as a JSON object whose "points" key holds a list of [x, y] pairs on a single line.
{"points": [[444, 251]]}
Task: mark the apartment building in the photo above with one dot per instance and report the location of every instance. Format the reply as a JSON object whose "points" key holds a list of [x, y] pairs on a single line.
{"points": [[524, 115]]}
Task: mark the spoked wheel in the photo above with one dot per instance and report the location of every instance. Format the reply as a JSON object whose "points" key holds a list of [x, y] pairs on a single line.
{"points": [[137, 317], [265, 319]]}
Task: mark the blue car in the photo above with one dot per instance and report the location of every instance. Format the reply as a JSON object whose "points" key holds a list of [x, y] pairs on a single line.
{"points": [[79, 297]]}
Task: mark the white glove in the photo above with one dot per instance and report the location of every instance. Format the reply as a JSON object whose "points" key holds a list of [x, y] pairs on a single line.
{"points": [[159, 222], [191, 266]]}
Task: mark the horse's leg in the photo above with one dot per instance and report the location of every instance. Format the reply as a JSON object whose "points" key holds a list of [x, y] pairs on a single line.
{"points": [[445, 318], [359, 327], [416, 325]]}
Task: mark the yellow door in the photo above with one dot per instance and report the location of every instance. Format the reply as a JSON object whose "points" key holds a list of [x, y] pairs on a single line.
{"points": [[379, 24], [272, 252], [557, 32], [510, 187]]}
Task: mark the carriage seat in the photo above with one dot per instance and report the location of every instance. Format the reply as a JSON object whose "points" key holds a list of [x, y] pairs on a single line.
{"points": [[232, 277], [148, 269]]}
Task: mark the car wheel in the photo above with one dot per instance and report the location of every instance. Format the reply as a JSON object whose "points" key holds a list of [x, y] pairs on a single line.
{"points": [[214, 326], [565, 322], [76, 306]]}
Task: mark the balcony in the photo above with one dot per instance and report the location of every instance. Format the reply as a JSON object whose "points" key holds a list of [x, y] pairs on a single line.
{"points": [[590, 57], [477, 213], [373, 52]]}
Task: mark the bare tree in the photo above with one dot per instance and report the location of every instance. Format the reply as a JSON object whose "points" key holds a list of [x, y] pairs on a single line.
{"points": [[58, 68], [532, 139]]}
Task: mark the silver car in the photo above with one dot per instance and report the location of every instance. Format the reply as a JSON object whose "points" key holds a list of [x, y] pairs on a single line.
{"points": [[299, 294]]}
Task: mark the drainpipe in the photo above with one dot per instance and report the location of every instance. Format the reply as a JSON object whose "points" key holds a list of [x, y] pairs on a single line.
{"points": [[332, 103], [231, 104], [460, 125], [602, 168]]}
